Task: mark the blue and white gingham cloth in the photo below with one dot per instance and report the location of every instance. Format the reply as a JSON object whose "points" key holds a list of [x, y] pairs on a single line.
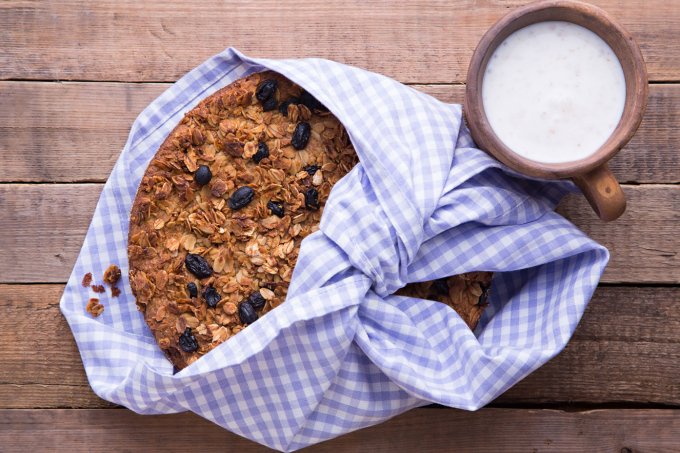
{"points": [[343, 353]]}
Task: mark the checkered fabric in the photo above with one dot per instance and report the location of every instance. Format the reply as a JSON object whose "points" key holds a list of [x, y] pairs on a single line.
{"points": [[342, 352]]}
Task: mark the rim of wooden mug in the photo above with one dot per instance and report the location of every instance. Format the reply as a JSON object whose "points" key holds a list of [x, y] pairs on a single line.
{"points": [[580, 13]]}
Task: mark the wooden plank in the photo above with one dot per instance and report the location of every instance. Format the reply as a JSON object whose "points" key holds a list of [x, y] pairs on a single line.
{"points": [[643, 242], [423, 41], [44, 226], [627, 348], [61, 132], [620, 352], [73, 132], [43, 229], [41, 362], [422, 430]]}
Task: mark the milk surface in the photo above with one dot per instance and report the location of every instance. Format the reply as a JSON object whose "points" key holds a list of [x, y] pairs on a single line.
{"points": [[553, 92]]}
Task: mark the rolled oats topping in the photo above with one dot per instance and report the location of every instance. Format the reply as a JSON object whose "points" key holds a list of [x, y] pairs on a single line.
{"points": [[220, 213]]}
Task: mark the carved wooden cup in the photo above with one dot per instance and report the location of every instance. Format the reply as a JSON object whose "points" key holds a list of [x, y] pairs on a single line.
{"points": [[591, 174]]}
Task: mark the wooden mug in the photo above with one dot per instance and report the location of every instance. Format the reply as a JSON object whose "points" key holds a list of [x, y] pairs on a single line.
{"points": [[591, 174]]}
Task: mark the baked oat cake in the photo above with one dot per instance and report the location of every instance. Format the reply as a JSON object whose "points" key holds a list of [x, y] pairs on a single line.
{"points": [[218, 218]]}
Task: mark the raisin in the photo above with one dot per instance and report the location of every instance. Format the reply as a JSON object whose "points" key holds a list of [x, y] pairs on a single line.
{"points": [[202, 175], [440, 287], [98, 289], [246, 313], [187, 341], [198, 266], [115, 291], [312, 103], [262, 152], [241, 197], [211, 296], [257, 301], [283, 108], [193, 289], [312, 199], [265, 90], [276, 207], [301, 136], [87, 279], [484, 297], [311, 169], [269, 105]]}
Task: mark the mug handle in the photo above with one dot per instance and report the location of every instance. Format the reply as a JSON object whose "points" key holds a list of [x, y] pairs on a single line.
{"points": [[603, 192]]}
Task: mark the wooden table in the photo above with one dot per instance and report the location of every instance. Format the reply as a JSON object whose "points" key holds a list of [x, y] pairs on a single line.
{"points": [[75, 74]]}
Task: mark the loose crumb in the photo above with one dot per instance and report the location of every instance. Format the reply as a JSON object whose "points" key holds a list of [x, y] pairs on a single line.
{"points": [[94, 307], [112, 274], [87, 279], [98, 289], [115, 292]]}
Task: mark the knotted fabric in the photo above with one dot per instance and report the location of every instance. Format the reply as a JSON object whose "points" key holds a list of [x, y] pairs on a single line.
{"points": [[343, 352]]}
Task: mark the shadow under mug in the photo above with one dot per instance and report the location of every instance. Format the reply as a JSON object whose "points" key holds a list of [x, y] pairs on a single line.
{"points": [[591, 174]]}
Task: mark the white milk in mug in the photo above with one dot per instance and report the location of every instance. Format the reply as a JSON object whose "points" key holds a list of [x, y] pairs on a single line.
{"points": [[553, 92]]}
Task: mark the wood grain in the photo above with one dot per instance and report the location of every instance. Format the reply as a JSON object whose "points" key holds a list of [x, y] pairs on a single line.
{"points": [[44, 226], [43, 229], [74, 132], [626, 349], [643, 242], [421, 430], [61, 132], [422, 41]]}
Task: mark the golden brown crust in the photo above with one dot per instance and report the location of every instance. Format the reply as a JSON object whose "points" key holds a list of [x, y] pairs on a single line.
{"points": [[250, 249]]}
